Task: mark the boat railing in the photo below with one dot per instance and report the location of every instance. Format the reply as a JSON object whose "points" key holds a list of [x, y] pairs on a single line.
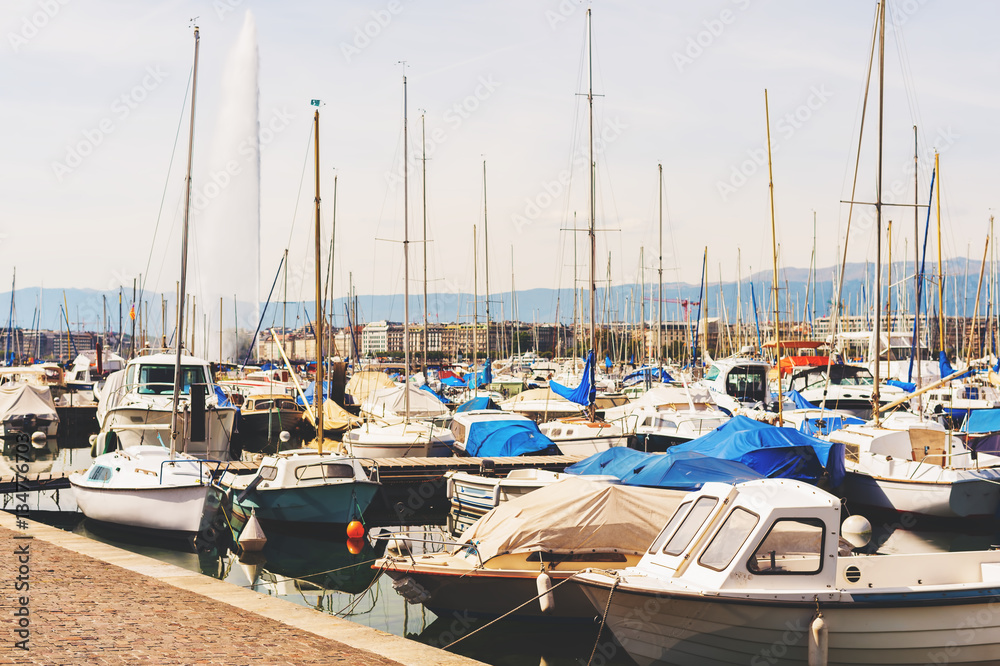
{"points": [[202, 463], [403, 535]]}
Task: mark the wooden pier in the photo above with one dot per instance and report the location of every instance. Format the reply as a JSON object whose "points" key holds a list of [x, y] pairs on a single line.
{"points": [[391, 470]]}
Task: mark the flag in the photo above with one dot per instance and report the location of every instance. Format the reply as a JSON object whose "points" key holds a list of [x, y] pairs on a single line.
{"points": [[314, 102], [131, 312]]}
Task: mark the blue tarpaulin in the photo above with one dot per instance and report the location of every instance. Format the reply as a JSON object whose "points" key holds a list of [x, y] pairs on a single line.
{"points": [[800, 402], [584, 393], [495, 438], [681, 471], [640, 375], [827, 425], [221, 397], [453, 382], [482, 402], [310, 393], [909, 387], [427, 388], [946, 369], [982, 421], [477, 379], [771, 451]]}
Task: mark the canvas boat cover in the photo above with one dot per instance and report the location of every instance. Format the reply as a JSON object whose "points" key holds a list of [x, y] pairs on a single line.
{"points": [[336, 417], [362, 384], [21, 399], [572, 515], [684, 470], [391, 403], [646, 372], [310, 393], [660, 396], [495, 438], [482, 402], [981, 421], [584, 392], [541, 395], [772, 451]]}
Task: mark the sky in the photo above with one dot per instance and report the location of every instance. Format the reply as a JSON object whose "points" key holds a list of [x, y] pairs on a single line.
{"points": [[94, 119]]}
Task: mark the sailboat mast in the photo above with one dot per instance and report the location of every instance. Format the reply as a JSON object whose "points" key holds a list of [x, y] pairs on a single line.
{"points": [[659, 293], [774, 259], [318, 326], [642, 304], [184, 244], [486, 257], [876, 416], [937, 195], [475, 305], [593, 206], [423, 161], [406, 259], [916, 267]]}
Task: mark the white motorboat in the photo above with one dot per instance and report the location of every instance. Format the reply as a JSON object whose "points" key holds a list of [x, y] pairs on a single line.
{"points": [[541, 404], [582, 436], [399, 440], [136, 408], [667, 415], [26, 409], [736, 382], [475, 494], [757, 574], [146, 487], [921, 469], [846, 388]]}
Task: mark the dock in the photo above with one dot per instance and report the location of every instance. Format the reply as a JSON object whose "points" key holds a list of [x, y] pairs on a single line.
{"points": [[392, 471], [88, 602]]}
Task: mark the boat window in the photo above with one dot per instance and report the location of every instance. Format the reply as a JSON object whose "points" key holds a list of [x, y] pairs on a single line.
{"points": [[268, 473], [711, 373], [671, 525], [130, 375], [556, 432], [729, 539], [696, 517], [261, 405], [339, 471], [159, 379], [747, 383], [325, 470], [99, 473], [792, 546]]}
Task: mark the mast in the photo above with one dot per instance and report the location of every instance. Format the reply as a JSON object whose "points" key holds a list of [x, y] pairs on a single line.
{"points": [[916, 268], [593, 207], [475, 306], [320, 386], [876, 416], [486, 257], [774, 259], [888, 302], [659, 293], [406, 260], [937, 195], [174, 434], [423, 160], [642, 304]]}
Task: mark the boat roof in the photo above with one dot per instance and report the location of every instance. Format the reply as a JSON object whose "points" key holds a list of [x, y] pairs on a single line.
{"points": [[167, 359]]}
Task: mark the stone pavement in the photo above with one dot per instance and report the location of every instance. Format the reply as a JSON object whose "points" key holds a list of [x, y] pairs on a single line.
{"points": [[91, 603]]}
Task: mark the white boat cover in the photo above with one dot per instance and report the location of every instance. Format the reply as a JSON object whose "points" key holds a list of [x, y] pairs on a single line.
{"points": [[574, 515], [362, 385], [110, 394], [540, 395], [390, 403], [664, 395], [21, 399]]}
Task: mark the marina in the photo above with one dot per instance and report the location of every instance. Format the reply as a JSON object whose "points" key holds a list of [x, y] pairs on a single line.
{"points": [[742, 423]]}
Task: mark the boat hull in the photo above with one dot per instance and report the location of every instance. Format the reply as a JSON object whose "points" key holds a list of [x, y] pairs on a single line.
{"points": [[959, 499], [337, 503], [684, 631], [169, 508]]}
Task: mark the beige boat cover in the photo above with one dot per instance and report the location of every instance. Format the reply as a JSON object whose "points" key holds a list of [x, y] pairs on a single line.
{"points": [[362, 385], [390, 404], [574, 515], [336, 417], [541, 394], [20, 399]]}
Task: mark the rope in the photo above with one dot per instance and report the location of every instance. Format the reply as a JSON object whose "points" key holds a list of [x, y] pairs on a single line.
{"points": [[549, 591], [604, 618], [350, 607]]}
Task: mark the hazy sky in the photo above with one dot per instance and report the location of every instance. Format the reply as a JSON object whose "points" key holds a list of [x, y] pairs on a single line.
{"points": [[93, 94]]}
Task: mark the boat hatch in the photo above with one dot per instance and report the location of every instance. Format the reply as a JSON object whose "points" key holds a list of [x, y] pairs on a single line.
{"points": [[99, 473], [324, 471], [792, 546]]}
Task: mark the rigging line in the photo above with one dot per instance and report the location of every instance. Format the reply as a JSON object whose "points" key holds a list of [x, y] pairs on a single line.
{"points": [[381, 217], [166, 183]]}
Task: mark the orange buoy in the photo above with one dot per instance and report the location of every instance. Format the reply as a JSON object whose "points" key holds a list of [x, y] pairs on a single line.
{"points": [[355, 546], [355, 530]]}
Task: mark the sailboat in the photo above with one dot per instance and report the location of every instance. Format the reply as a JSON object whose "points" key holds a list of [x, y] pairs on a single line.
{"points": [[587, 435], [150, 486], [306, 486], [409, 438]]}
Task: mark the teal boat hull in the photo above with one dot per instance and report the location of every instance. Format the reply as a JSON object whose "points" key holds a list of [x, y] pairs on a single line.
{"points": [[334, 504]]}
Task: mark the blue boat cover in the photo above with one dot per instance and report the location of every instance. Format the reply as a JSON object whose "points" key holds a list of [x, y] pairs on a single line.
{"points": [[689, 470], [640, 375], [681, 471], [945, 366], [909, 387], [583, 394], [771, 451], [827, 425], [482, 402], [477, 379], [221, 397], [427, 388], [616, 461], [982, 421], [800, 402], [453, 382], [489, 439], [310, 393]]}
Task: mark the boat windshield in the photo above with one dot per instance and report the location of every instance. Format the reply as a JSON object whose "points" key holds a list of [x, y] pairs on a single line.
{"points": [[159, 379], [686, 531], [850, 375], [747, 383]]}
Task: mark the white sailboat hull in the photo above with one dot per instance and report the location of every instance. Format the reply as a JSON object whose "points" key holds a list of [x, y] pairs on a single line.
{"points": [[967, 498], [167, 508]]}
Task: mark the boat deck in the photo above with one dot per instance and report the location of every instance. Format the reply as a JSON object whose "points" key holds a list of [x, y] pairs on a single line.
{"points": [[90, 603], [391, 470]]}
